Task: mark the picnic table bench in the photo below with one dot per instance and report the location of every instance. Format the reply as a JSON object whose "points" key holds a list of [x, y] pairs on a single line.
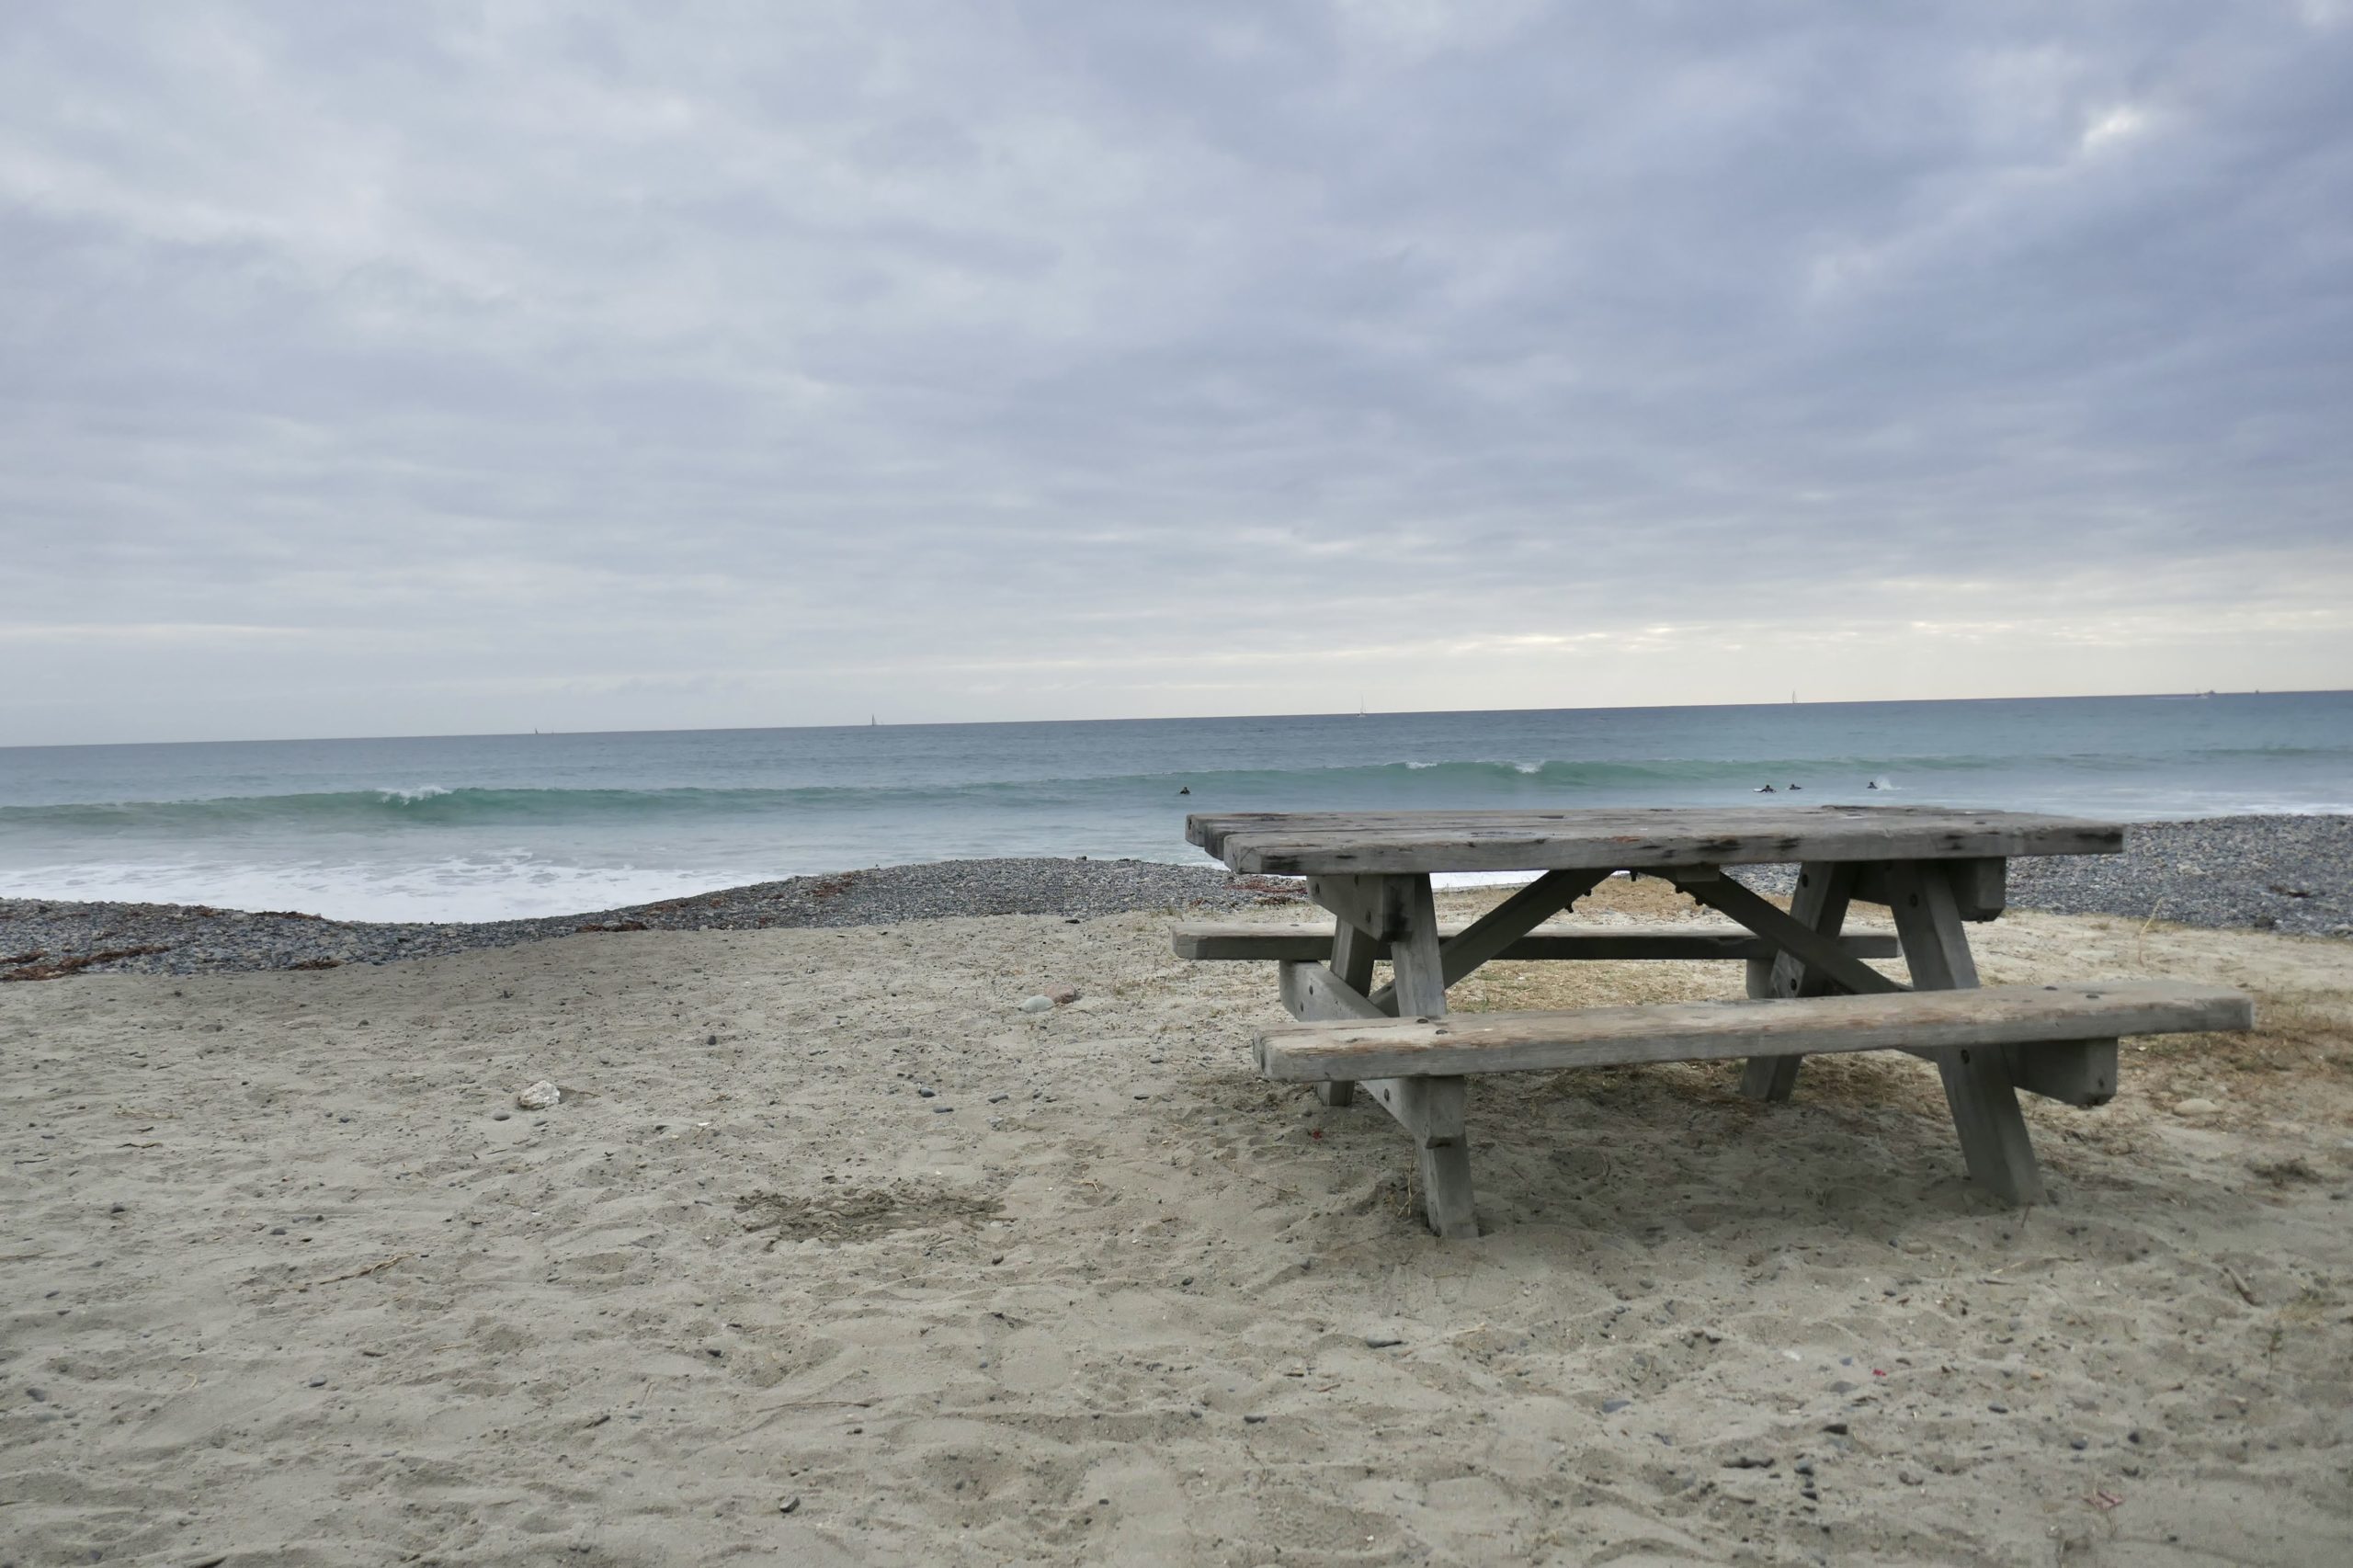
{"points": [[1810, 991]]}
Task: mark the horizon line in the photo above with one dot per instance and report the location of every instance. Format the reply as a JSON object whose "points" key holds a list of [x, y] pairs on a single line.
{"points": [[1176, 718]]}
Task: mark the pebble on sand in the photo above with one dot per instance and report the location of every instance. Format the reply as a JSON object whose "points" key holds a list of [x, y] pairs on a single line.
{"points": [[1037, 1004], [539, 1096], [2194, 1106]]}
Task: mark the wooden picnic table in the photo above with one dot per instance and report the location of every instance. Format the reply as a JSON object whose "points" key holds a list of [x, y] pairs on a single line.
{"points": [[1810, 990]]}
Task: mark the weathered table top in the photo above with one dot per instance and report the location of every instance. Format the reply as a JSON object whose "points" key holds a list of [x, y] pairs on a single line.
{"points": [[1341, 843]]}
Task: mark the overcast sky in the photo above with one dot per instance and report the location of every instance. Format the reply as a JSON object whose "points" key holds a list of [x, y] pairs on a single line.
{"points": [[451, 368]]}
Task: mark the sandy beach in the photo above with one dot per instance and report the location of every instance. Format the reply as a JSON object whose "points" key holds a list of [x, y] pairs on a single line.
{"points": [[829, 1255]]}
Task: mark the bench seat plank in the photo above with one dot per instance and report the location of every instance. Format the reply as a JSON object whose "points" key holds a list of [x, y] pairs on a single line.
{"points": [[1993, 1016], [1312, 944]]}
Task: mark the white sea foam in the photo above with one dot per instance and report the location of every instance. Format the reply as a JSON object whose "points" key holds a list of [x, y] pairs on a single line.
{"points": [[503, 887], [409, 796]]}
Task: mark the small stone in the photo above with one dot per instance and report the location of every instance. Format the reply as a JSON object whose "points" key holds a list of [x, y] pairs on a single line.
{"points": [[1907, 1478], [789, 1506], [1375, 1341], [1253, 1420], [1061, 996], [1612, 1406], [500, 1116], [927, 1094], [2195, 1105], [2079, 1444], [1037, 1004], [539, 1096]]}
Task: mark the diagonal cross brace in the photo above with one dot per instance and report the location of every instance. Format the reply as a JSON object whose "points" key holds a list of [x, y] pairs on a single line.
{"points": [[1822, 954], [1501, 926]]}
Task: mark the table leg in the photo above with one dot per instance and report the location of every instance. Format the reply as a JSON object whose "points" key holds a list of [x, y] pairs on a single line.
{"points": [[1401, 911], [1352, 963], [1431, 1108], [1978, 1086], [1818, 903]]}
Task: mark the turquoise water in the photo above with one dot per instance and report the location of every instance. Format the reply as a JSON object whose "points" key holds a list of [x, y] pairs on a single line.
{"points": [[485, 826]]}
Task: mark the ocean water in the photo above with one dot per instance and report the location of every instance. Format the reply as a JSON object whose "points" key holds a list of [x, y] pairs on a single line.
{"points": [[489, 826]]}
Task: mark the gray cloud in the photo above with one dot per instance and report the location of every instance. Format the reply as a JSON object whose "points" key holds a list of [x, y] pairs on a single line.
{"points": [[449, 368]]}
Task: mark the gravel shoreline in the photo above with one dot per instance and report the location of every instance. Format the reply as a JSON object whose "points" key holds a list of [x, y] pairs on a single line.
{"points": [[2291, 874], [48, 939]]}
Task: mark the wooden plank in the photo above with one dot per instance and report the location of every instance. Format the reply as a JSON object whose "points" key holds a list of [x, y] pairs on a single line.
{"points": [[1978, 1088], [1770, 1078], [1352, 956], [1821, 954], [2073, 1072], [1501, 926], [1515, 917], [1980, 887], [1352, 968], [1432, 1110], [1430, 1105], [1415, 960], [1936, 949], [1818, 902], [1314, 843], [1983, 1020], [1313, 993], [1374, 905], [1694, 941]]}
